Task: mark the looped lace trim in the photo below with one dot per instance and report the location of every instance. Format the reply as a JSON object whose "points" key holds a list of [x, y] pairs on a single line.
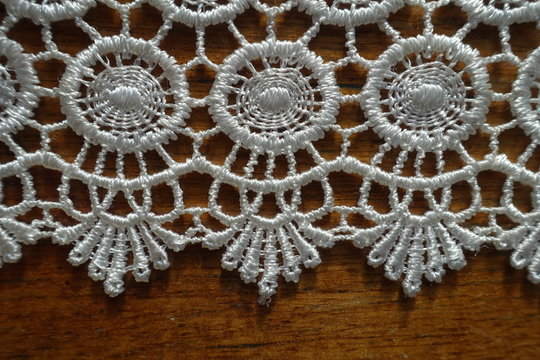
{"points": [[424, 96]]}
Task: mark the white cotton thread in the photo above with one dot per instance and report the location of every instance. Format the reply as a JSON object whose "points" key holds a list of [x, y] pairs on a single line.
{"points": [[351, 12], [124, 99], [501, 12], [424, 96], [47, 11], [428, 97], [275, 107], [427, 102], [200, 13], [17, 81]]}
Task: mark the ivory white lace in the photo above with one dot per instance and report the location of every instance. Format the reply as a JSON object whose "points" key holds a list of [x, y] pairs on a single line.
{"points": [[424, 96]]}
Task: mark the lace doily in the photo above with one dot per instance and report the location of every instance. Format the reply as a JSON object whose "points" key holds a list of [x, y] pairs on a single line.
{"points": [[127, 100]]}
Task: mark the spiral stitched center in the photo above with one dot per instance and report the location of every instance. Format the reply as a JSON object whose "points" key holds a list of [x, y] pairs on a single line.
{"points": [[275, 99], [126, 97], [428, 97]]}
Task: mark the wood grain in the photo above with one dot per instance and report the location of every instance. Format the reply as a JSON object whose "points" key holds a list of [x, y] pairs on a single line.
{"points": [[342, 309]]}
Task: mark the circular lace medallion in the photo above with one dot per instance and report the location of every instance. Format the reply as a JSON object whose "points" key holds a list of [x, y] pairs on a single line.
{"points": [[201, 12], [526, 93], [17, 77], [48, 10], [427, 93], [124, 94], [496, 12], [273, 96], [351, 12]]}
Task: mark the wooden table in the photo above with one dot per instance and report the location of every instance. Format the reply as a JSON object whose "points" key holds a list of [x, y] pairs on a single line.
{"points": [[342, 309]]}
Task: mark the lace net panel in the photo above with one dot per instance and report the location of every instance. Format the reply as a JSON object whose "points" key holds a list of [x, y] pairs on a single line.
{"points": [[131, 111]]}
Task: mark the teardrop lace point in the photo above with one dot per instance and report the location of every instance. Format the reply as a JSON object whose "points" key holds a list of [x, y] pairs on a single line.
{"points": [[262, 253], [413, 253], [107, 249]]}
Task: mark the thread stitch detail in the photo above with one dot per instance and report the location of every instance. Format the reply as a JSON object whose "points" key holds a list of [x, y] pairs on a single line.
{"points": [[125, 98]]}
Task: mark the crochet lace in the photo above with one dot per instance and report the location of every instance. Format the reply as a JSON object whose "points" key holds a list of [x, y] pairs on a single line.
{"points": [[125, 97]]}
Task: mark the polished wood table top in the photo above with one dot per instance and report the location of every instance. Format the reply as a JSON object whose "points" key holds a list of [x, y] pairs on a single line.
{"points": [[342, 309]]}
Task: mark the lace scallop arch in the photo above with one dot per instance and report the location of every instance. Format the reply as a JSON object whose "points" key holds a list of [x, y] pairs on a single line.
{"points": [[273, 99]]}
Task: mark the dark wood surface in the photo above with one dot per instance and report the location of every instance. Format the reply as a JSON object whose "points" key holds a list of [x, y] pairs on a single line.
{"points": [[342, 309]]}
